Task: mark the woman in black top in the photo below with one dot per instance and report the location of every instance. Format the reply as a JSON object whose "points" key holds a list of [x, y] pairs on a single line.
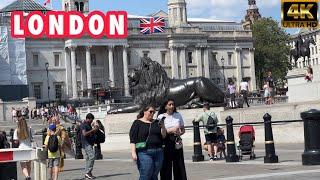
{"points": [[146, 139]]}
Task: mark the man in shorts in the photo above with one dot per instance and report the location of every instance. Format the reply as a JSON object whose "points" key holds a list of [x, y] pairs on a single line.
{"points": [[53, 157], [210, 131]]}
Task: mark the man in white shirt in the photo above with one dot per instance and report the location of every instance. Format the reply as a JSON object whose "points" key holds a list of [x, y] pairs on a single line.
{"points": [[244, 88]]}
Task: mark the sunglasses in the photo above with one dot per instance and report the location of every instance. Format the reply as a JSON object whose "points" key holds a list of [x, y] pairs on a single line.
{"points": [[152, 112]]}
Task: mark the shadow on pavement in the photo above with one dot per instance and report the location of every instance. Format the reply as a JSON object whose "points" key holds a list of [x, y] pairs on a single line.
{"points": [[66, 170], [106, 176]]}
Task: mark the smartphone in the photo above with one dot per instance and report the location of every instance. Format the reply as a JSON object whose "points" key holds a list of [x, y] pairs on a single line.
{"points": [[161, 121]]}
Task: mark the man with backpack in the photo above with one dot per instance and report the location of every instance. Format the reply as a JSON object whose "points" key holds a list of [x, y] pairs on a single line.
{"points": [[53, 144], [87, 141], [210, 122]]}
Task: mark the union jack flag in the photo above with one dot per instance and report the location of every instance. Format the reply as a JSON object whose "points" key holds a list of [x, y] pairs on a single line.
{"points": [[152, 25]]}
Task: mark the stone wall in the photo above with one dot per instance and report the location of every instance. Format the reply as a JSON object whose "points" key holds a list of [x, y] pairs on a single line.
{"points": [[121, 123], [6, 107]]}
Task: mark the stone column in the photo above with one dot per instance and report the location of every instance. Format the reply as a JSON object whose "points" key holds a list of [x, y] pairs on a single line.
{"points": [[68, 74], [74, 72], [183, 63], [174, 62], [184, 14], [199, 61], [206, 63], [88, 67], [179, 17], [238, 66], [125, 71], [111, 67], [253, 83]]}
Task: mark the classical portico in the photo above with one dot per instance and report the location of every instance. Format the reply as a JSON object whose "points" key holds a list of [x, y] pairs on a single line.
{"points": [[82, 73]]}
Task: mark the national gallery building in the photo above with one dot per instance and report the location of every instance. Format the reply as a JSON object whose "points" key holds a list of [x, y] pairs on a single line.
{"points": [[189, 47]]}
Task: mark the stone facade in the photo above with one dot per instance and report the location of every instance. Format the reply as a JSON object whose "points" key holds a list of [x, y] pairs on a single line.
{"points": [[189, 48]]}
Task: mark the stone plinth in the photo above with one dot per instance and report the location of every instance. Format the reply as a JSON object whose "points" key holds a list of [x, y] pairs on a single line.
{"points": [[6, 107], [299, 90]]}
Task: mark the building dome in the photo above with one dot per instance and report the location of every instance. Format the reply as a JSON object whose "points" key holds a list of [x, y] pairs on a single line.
{"points": [[24, 5]]}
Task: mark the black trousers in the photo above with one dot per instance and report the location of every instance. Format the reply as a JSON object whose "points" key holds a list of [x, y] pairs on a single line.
{"points": [[173, 159], [245, 96]]}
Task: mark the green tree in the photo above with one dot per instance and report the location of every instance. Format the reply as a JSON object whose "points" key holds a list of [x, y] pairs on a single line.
{"points": [[271, 50]]}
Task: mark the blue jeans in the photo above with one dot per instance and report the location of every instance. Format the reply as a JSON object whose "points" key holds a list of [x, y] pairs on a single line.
{"points": [[149, 163]]}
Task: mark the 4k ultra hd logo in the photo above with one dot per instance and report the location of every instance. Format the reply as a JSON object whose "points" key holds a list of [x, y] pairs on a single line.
{"points": [[299, 13]]}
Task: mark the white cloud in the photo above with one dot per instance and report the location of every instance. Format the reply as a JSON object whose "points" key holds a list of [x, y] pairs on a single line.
{"points": [[4, 3]]}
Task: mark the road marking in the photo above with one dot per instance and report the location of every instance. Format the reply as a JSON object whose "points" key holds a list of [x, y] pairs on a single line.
{"points": [[255, 176]]}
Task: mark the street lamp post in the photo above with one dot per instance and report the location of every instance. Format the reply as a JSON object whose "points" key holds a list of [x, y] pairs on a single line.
{"points": [[224, 77], [47, 67]]}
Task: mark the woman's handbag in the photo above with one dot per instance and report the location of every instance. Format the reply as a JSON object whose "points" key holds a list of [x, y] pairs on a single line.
{"points": [[178, 143], [143, 145]]}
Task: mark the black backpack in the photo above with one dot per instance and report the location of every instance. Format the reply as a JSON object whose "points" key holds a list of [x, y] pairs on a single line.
{"points": [[53, 144], [211, 123], [100, 137]]}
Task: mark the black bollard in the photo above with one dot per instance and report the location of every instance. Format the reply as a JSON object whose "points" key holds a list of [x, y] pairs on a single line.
{"points": [[78, 145], [311, 122], [231, 146], [271, 156], [97, 152], [197, 149]]}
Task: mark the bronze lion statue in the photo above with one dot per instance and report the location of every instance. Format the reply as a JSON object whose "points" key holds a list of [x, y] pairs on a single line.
{"points": [[149, 84]]}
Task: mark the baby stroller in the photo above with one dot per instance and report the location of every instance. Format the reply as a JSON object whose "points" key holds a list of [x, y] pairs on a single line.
{"points": [[246, 143]]}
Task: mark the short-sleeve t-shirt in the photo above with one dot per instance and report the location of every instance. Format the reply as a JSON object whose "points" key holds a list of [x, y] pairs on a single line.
{"points": [[244, 86], [270, 80], [232, 88], [146, 132], [88, 140], [174, 120], [53, 155]]}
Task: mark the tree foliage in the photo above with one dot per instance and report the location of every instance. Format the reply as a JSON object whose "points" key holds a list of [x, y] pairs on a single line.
{"points": [[271, 50]]}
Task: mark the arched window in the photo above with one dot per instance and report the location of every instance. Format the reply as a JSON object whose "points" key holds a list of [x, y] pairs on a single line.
{"points": [[77, 5], [81, 6]]}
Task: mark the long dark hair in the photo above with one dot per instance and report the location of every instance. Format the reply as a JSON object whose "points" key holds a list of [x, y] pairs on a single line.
{"points": [[163, 107], [100, 125], [144, 109]]}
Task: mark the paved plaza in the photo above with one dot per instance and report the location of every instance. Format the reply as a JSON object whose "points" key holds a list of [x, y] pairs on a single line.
{"points": [[117, 165]]}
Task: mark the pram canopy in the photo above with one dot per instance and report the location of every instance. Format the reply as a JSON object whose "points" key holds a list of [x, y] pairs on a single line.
{"points": [[247, 129]]}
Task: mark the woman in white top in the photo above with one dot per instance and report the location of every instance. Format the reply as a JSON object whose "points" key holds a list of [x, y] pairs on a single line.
{"points": [[22, 134], [173, 151]]}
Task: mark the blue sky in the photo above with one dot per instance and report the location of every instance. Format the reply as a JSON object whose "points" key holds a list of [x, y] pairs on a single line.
{"points": [[213, 9]]}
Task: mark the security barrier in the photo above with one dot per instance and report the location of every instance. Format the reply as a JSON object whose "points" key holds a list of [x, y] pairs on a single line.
{"points": [[10, 156]]}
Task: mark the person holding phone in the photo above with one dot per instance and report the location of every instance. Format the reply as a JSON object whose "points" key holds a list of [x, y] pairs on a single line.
{"points": [[87, 141], [173, 150], [146, 139]]}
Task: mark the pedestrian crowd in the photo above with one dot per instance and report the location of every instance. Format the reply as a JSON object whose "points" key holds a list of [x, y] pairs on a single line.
{"points": [[57, 141]]}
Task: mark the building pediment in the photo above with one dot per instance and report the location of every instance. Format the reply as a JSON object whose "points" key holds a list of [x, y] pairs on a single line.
{"points": [[160, 13]]}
